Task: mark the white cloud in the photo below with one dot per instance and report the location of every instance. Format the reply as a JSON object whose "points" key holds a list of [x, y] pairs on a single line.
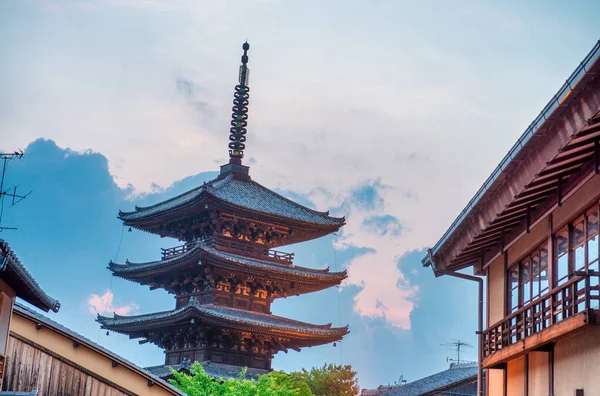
{"points": [[331, 105], [102, 304]]}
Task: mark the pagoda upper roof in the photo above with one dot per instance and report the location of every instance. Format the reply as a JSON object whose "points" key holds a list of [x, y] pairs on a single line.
{"points": [[240, 192], [225, 317], [131, 270]]}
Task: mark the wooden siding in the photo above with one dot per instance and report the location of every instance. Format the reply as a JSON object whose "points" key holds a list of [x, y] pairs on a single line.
{"points": [[30, 368]]}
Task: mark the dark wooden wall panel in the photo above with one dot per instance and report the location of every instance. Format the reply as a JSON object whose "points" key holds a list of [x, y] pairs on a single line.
{"points": [[29, 368]]}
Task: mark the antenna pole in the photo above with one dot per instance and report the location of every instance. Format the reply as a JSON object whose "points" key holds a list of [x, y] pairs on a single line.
{"points": [[16, 198]]}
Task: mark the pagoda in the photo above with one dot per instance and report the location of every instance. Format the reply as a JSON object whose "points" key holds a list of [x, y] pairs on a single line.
{"points": [[225, 274]]}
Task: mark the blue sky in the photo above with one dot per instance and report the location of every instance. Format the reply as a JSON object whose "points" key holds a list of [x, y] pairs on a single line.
{"points": [[391, 113]]}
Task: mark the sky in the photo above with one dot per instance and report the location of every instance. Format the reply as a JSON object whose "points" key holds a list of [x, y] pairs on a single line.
{"points": [[391, 113]]}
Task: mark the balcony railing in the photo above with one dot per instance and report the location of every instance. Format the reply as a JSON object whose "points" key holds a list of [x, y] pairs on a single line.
{"points": [[580, 294], [177, 250], [233, 247]]}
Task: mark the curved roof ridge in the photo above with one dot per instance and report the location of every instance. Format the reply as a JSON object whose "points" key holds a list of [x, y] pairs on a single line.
{"points": [[326, 213], [193, 193], [233, 315]]}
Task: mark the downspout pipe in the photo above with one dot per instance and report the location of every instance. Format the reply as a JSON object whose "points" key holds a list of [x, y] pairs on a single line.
{"points": [[479, 281]]}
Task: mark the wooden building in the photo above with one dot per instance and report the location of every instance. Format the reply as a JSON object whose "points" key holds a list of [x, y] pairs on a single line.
{"points": [[226, 274], [532, 232], [16, 281], [51, 359]]}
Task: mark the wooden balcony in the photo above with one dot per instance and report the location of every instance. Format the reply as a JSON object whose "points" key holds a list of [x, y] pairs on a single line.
{"points": [[565, 310], [234, 247]]}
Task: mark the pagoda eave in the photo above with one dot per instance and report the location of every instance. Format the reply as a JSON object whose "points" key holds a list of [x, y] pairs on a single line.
{"points": [[225, 318], [200, 260]]}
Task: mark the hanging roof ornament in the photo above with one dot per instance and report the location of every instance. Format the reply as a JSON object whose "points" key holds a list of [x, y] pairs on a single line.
{"points": [[239, 117]]}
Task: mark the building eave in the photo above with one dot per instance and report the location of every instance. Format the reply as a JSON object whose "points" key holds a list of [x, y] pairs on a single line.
{"points": [[507, 201], [26, 287]]}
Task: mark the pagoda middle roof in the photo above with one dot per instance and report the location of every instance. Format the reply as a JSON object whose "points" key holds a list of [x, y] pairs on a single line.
{"points": [[240, 192], [252, 264], [223, 317]]}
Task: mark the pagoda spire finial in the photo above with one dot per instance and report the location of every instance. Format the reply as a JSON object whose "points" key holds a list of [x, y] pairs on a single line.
{"points": [[239, 117]]}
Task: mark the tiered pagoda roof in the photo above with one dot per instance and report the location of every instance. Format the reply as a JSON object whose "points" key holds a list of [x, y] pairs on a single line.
{"points": [[236, 193], [298, 333], [226, 275], [201, 254]]}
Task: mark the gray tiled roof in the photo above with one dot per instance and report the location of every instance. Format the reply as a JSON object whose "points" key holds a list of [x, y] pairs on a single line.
{"points": [[17, 277], [235, 317], [250, 263], [243, 193], [52, 324], [215, 370], [443, 379]]}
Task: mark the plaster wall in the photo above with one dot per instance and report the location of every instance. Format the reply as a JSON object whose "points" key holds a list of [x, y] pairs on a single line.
{"points": [[538, 374], [528, 241], [577, 363], [496, 382], [515, 382], [496, 294], [577, 203]]}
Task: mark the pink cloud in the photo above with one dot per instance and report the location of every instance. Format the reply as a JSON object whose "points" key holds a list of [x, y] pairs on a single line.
{"points": [[100, 304]]}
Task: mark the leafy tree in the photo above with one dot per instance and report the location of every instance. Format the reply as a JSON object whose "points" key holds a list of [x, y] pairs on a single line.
{"points": [[275, 383], [332, 380]]}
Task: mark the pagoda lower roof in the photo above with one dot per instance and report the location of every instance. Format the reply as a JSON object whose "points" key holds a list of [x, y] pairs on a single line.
{"points": [[243, 193], [225, 317], [193, 256]]}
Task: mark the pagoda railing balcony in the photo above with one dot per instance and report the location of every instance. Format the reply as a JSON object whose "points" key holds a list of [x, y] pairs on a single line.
{"points": [[555, 315], [233, 247], [176, 251]]}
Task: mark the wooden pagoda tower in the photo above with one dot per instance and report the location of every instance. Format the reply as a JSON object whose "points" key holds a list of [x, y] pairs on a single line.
{"points": [[225, 275]]}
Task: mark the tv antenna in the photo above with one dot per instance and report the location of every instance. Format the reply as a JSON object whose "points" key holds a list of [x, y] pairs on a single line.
{"points": [[11, 192], [456, 345]]}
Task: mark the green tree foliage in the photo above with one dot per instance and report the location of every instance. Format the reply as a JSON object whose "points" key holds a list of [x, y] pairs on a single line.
{"points": [[332, 380], [329, 380], [275, 383]]}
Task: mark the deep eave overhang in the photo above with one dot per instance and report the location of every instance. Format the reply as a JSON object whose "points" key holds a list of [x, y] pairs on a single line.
{"points": [[259, 323], [140, 271], [142, 216], [25, 286], [565, 139]]}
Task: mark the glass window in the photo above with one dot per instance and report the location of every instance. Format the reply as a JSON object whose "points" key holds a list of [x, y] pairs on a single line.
{"points": [[561, 242], [528, 280], [578, 249], [513, 282]]}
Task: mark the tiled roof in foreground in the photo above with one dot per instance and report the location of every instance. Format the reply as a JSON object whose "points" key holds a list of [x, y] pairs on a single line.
{"points": [[17, 277], [243, 193], [455, 375], [250, 264], [225, 317]]}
